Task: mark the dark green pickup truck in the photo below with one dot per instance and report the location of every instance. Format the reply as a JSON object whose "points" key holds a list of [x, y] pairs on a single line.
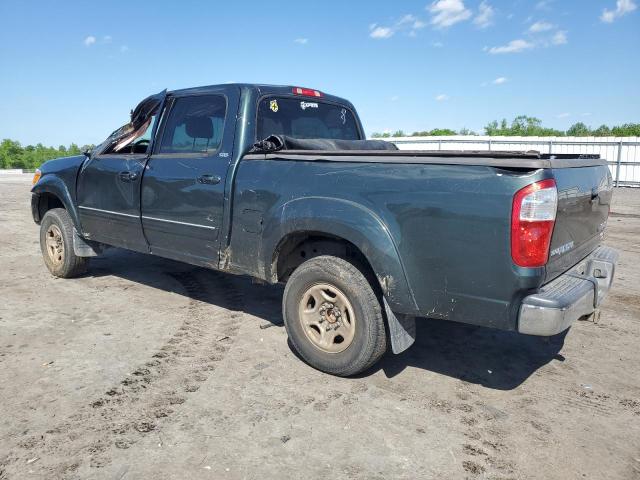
{"points": [[279, 183]]}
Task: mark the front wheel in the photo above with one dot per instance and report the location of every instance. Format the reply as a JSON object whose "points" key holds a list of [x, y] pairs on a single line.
{"points": [[56, 243], [333, 317]]}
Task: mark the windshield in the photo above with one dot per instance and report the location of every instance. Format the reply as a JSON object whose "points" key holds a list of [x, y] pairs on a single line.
{"points": [[305, 118]]}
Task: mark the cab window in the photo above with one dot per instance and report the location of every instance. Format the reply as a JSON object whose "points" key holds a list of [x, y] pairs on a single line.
{"points": [[195, 125]]}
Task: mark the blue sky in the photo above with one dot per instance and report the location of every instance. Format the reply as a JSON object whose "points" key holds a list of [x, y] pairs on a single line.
{"points": [[71, 71]]}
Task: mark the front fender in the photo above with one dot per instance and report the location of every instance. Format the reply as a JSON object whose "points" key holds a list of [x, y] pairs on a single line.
{"points": [[54, 185], [352, 222]]}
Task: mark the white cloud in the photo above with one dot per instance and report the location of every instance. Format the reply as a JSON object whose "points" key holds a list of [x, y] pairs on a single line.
{"points": [[544, 5], [442, 97], [622, 8], [407, 23], [586, 114], [301, 41], [418, 24], [107, 39], [514, 46], [380, 32], [559, 38], [540, 27], [485, 15], [500, 80], [563, 115], [90, 40], [437, 44], [445, 13], [395, 98], [411, 22], [408, 18], [124, 48], [544, 39]]}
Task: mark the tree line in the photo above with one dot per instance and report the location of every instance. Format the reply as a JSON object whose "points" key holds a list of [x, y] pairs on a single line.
{"points": [[14, 155], [526, 126]]}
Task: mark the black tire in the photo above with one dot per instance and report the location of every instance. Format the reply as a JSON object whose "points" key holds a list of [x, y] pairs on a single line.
{"points": [[369, 339], [66, 264]]}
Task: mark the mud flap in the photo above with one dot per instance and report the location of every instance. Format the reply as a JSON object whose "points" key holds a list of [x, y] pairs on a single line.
{"points": [[402, 329], [82, 248]]}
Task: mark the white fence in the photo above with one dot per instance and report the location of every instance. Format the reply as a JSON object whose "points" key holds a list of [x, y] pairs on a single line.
{"points": [[622, 153]]}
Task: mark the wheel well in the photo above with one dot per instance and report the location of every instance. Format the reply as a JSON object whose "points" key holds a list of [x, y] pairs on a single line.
{"points": [[297, 248], [46, 202]]}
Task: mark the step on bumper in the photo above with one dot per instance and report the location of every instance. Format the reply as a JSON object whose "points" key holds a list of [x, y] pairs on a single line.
{"points": [[574, 294]]}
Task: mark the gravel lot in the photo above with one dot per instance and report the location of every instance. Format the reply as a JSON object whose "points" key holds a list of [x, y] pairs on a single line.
{"points": [[147, 368]]}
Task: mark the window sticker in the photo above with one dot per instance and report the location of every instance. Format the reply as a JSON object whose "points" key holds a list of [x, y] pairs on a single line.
{"points": [[343, 115], [305, 105], [273, 105]]}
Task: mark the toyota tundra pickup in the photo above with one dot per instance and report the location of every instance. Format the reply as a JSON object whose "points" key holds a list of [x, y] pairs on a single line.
{"points": [[279, 183]]}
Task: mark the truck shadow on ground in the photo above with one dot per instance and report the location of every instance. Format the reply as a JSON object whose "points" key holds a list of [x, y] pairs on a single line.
{"points": [[495, 359]]}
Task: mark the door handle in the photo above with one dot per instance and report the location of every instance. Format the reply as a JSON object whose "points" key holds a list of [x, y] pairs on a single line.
{"points": [[128, 176], [209, 179]]}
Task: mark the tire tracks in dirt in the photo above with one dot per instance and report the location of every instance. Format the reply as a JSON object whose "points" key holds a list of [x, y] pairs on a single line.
{"points": [[148, 397]]}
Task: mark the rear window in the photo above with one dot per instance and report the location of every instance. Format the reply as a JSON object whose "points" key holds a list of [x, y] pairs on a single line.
{"points": [[305, 118]]}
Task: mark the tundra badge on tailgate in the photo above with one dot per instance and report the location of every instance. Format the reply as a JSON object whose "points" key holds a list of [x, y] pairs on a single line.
{"points": [[562, 249]]}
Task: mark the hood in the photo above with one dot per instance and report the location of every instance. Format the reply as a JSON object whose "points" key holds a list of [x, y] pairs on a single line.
{"points": [[62, 163]]}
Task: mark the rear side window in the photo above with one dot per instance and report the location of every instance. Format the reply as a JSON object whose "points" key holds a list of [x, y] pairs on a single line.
{"points": [[305, 118], [195, 125]]}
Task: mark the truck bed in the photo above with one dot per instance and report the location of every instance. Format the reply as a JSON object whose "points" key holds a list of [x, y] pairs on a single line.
{"points": [[448, 214], [500, 159], [377, 151]]}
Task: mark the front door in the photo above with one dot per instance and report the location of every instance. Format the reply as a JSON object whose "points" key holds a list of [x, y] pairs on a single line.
{"points": [[184, 180], [109, 200], [108, 189]]}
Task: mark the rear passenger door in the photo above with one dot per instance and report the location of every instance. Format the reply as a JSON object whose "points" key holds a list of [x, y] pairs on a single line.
{"points": [[182, 198]]}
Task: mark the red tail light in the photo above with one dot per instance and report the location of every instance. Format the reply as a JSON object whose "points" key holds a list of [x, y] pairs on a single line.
{"points": [[306, 92], [532, 219]]}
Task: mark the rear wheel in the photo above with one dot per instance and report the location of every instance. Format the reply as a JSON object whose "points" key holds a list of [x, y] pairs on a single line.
{"points": [[333, 317], [56, 243]]}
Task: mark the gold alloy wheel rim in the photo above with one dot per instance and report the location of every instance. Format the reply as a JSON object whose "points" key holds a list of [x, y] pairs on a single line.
{"points": [[327, 318], [55, 245]]}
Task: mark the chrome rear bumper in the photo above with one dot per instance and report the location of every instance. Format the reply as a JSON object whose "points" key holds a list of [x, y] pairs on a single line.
{"points": [[574, 294]]}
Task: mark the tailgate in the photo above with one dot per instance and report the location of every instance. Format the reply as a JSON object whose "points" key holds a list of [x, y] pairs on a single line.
{"points": [[584, 199]]}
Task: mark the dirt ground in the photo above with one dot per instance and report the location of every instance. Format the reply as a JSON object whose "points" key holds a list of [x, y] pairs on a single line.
{"points": [[148, 368]]}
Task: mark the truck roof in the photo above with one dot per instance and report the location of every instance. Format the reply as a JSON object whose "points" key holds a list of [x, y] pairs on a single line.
{"points": [[262, 89]]}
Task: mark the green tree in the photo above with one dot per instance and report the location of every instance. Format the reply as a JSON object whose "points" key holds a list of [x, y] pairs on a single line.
{"points": [[14, 155], [492, 128], [442, 132], [602, 131], [579, 130], [626, 130], [522, 125], [10, 153]]}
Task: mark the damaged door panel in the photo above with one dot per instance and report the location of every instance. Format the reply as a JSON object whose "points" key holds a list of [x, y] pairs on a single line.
{"points": [[108, 186]]}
